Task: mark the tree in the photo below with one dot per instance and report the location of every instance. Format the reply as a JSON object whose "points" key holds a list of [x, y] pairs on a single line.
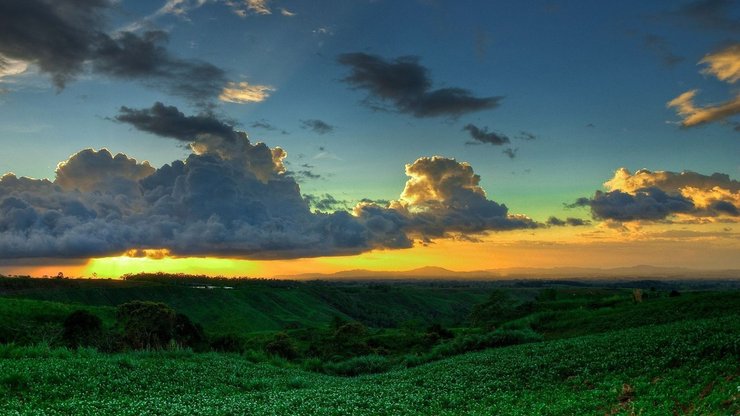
{"points": [[82, 329], [146, 325], [282, 346], [188, 334], [498, 308]]}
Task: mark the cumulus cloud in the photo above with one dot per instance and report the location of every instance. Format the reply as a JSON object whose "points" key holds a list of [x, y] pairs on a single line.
{"points": [[652, 196], [482, 135], [206, 135], [64, 37], [317, 126], [443, 195], [406, 85], [725, 65], [644, 204], [90, 171], [228, 198], [243, 92]]}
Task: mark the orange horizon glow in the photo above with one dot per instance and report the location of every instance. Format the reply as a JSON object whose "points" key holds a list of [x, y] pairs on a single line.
{"points": [[592, 247]]}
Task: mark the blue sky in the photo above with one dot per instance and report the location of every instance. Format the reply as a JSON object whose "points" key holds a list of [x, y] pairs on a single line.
{"points": [[588, 81]]}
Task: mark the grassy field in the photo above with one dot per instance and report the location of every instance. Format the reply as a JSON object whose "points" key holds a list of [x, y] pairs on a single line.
{"points": [[554, 348], [265, 305], [690, 367]]}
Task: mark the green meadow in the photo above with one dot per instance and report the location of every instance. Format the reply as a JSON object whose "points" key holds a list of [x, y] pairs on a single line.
{"points": [[388, 348]]}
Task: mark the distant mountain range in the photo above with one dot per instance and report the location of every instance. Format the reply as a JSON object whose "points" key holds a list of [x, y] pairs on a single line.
{"points": [[633, 272]]}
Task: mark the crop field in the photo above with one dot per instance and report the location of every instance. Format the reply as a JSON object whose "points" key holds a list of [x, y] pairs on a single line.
{"points": [[689, 367], [161, 345]]}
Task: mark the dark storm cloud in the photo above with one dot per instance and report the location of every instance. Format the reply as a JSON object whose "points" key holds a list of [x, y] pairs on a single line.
{"points": [[57, 35], [570, 221], [482, 135], [229, 198], [62, 36], [130, 56], [646, 204], [317, 126], [168, 121], [406, 85]]}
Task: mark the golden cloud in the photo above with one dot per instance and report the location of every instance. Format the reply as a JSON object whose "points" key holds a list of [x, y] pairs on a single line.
{"points": [[694, 115], [724, 64], [243, 92]]}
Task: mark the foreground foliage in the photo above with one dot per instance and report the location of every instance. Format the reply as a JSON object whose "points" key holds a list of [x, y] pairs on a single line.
{"points": [[689, 367]]}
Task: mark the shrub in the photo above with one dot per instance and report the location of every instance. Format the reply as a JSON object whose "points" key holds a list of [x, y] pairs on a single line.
{"points": [[440, 331], [188, 334], [498, 308], [366, 364], [146, 325], [282, 346], [82, 329], [228, 343]]}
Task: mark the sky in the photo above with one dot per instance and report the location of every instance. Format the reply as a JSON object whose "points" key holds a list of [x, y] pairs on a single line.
{"points": [[270, 138]]}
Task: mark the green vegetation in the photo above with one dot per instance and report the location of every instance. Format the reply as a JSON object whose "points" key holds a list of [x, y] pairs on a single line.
{"points": [[682, 368], [488, 348]]}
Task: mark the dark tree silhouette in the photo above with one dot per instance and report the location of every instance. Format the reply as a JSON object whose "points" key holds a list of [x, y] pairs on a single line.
{"points": [[146, 325], [82, 329]]}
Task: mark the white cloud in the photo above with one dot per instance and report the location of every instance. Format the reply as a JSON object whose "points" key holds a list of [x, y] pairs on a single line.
{"points": [[10, 67]]}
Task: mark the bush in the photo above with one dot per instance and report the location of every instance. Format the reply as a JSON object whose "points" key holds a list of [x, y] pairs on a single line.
{"points": [[82, 329], [146, 325], [188, 334], [474, 342], [366, 364], [498, 308], [228, 343], [282, 346]]}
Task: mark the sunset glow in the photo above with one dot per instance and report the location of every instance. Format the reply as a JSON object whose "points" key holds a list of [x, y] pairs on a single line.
{"points": [[478, 138]]}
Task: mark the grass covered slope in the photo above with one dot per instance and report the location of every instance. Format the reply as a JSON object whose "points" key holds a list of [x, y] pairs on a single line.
{"points": [[259, 305], [690, 367]]}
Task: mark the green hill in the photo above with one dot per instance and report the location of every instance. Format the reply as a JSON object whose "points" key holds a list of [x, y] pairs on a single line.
{"points": [[689, 367], [241, 307]]}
